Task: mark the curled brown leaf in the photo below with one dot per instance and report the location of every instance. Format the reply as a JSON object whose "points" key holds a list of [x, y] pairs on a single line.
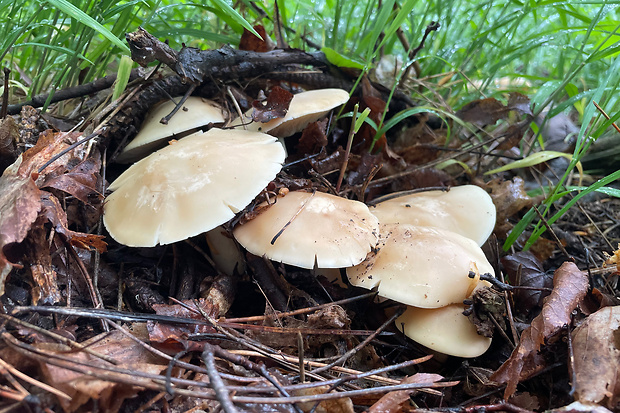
{"points": [[570, 285]]}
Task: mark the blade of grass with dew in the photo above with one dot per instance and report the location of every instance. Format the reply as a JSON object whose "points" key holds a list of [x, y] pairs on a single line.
{"points": [[85, 19], [595, 186], [536, 159], [235, 16], [580, 149]]}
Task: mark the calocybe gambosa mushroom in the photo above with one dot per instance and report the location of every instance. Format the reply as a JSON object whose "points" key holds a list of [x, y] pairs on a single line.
{"points": [[190, 186], [196, 113], [421, 266], [467, 210], [307, 229], [305, 108]]}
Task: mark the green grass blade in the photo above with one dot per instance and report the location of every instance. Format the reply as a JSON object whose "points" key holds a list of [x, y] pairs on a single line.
{"points": [[85, 19]]}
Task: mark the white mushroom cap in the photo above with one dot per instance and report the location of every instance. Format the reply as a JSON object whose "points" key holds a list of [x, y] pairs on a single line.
{"points": [[421, 266], [200, 112], [467, 210], [330, 231], [444, 329], [305, 108], [190, 187]]}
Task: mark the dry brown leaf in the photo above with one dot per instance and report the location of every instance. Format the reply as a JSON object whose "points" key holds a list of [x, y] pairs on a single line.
{"points": [[275, 107], [80, 181], [597, 358], [532, 275], [483, 111], [520, 103], [570, 285], [393, 402], [250, 42], [509, 198], [48, 145], [52, 210], [343, 405], [173, 334], [313, 138], [109, 395], [9, 135], [20, 202]]}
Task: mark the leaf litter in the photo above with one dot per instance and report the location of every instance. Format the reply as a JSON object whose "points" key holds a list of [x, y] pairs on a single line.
{"points": [[275, 331]]}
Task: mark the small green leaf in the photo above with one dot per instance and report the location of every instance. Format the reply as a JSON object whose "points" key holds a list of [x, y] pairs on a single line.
{"points": [[535, 159], [360, 119], [339, 60], [122, 76]]}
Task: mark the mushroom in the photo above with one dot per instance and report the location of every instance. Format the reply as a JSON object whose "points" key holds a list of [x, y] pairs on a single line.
{"points": [[196, 112], [467, 210], [305, 108], [305, 229], [421, 266], [190, 187], [444, 329]]}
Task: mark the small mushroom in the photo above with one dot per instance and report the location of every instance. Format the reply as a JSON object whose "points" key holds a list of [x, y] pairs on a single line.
{"points": [[421, 266], [305, 108], [190, 187], [305, 229], [467, 210], [444, 329], [196, 112]]}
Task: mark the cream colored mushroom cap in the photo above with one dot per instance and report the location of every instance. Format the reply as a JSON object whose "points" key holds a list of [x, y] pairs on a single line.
{"points": [[424, 267], [190, 187], [305, 108], [467, 210], [200, 112], [334, 232], [444, 329]]}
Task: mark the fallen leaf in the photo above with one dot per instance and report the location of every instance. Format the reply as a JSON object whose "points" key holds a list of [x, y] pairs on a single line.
{"points": [[83, 387], [52, 210], [509, 198], [393, 402], [532, 275], [275, 107], [250, 42], [483, 111], [343, 405], [9, 134], [597, 358], [511, 138], [520, 103], [313, 138], [172, 335], [80, 181], [48, 145], [570, 285], [20, 202]]}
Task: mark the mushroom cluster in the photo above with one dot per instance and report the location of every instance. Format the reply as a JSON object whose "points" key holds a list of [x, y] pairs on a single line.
{"points": [[203, 179], [418, 250], [430, 243]]}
